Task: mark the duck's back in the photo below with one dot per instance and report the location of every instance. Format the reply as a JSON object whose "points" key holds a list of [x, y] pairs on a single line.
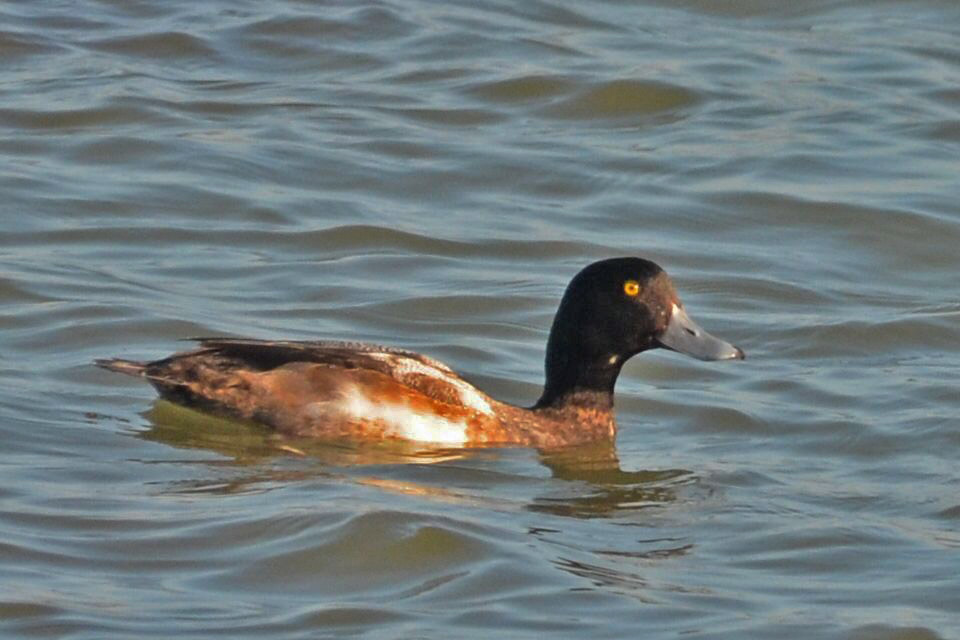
{"points": [[330, 389]]}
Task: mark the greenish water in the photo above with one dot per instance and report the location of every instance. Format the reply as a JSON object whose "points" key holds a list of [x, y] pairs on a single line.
{"points": [[430, 176]]}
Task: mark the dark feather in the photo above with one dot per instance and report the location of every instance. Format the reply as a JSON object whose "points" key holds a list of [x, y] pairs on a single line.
{"points": [[264, 355]]}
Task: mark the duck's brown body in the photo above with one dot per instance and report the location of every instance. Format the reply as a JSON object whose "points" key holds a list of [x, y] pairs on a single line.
{"points": [[353, 390]]}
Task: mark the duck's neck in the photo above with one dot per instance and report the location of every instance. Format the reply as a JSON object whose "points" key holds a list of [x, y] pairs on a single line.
{"points": [[579, 383]]}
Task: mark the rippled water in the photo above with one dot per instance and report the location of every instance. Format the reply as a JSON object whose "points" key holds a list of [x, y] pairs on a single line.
{"points": [[430, 175]]}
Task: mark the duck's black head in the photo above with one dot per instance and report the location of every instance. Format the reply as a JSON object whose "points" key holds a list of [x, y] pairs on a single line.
{"points": [[611, 311]]}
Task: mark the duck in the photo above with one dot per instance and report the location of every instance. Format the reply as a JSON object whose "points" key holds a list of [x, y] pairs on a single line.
{"points": [[612, 310]]}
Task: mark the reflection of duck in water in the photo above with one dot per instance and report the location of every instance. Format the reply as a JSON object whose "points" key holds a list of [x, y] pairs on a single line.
{"points": [[611, 311], [586, 481]]}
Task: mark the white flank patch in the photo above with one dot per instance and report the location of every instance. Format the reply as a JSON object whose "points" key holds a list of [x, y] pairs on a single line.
{"points": [[470, 396], [400, 421]]}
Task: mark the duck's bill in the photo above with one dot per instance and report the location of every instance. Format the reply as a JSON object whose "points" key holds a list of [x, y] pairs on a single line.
{"points": [[685, 336]]}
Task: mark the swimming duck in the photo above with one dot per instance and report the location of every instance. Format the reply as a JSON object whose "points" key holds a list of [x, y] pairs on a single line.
{"points": [[612, 310]]}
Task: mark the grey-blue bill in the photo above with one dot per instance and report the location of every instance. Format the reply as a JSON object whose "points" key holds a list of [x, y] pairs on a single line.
{"points": [[686, 336]]}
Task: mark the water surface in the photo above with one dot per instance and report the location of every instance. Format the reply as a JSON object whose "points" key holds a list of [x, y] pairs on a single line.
{"points": [[430, 176]]}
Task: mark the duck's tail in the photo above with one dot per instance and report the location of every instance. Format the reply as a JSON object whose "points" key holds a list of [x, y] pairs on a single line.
{"points": [[129, 367]]}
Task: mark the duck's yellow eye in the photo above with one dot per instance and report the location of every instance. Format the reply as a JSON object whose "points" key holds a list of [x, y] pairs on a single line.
{"points": [[631, 287]]}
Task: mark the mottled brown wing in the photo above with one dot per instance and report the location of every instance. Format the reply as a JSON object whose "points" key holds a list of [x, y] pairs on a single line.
{"points": [[421, 373]]}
